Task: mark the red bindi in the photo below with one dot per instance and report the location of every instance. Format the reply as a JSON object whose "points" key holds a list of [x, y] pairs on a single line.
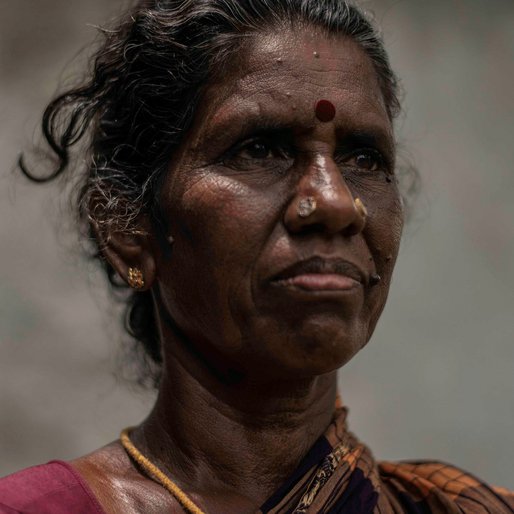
{"points": [[325, 111]]}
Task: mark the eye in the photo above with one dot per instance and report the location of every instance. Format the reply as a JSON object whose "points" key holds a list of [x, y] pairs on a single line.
{"points": [[256, 149], [267, 152], [369, 160]]}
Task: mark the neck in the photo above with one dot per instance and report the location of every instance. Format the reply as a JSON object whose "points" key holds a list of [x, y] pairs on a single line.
{"points": [[239, 439]]}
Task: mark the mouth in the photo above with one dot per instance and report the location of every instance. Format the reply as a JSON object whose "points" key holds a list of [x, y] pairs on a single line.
{"points": [[319, 274]]}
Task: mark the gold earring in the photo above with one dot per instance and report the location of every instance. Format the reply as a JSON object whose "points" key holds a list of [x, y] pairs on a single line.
{"points": [[361, 208], [135, 278]]}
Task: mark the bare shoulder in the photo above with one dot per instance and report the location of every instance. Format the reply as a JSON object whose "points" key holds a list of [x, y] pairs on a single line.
{"points": [[119, 487]]}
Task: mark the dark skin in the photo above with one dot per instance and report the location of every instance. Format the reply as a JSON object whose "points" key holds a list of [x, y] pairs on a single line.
{"points": [[266, 305]]}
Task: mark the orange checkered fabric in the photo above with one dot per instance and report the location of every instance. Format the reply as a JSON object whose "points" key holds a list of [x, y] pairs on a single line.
{"points": [[339, 475]]}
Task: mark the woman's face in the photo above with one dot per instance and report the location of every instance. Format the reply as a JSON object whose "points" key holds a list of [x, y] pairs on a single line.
{"points": [[250, 282]]}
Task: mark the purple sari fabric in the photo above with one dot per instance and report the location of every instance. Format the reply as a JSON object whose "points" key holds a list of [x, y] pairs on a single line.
{"points": [[53, 488]]}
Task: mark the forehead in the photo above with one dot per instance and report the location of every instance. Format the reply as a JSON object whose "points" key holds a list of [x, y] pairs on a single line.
{"points": [[286, 74]]}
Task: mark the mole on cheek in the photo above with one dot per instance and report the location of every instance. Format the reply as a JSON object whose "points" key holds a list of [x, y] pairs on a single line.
{"points": [[325, 111]]}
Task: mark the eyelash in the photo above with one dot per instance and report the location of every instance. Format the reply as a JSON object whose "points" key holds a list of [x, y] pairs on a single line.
{"points": [[285, 150], [280, 149], [377, 157]]}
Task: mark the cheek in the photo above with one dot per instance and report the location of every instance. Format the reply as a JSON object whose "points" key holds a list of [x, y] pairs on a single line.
{"points": [[224, 219], [383, 236], [220, 226], [385, 224]]}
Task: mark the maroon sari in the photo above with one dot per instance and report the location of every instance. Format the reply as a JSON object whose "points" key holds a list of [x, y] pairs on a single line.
{"points": [[53, 488]]}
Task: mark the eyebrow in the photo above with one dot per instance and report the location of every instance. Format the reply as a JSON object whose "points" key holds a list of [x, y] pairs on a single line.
{"points": [[361, 138], [375, 138], [239, 127], [235, 128]]}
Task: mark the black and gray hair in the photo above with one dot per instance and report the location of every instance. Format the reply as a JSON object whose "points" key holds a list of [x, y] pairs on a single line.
{"points": [[140, 96]]}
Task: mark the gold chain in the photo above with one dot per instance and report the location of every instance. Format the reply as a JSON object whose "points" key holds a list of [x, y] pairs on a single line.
{"points": [[154, 472]]}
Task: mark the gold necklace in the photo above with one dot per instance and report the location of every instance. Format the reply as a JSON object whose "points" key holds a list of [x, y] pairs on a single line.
{"points": [[154, 472]]}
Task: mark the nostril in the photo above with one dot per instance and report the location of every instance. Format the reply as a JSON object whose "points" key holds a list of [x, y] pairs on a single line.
{"points": [[353, 229]]}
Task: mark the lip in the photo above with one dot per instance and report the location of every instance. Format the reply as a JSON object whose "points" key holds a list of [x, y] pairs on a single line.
{"points": [[319, 274]]}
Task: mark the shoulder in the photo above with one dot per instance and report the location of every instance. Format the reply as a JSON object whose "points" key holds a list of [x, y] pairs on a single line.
{"points": [[119, 486], [103, 482], [431, 483], [54, 487]]}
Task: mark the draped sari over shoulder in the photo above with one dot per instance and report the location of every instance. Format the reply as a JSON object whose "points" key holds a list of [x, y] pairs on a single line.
{"points": [[337, 476], [340, 476]]}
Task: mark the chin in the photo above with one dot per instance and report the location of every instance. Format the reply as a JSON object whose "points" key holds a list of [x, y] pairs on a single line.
{"points": [[317, 348]]}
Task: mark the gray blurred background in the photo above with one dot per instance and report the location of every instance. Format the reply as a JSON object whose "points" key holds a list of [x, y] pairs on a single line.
{"points": [[437, 379]]}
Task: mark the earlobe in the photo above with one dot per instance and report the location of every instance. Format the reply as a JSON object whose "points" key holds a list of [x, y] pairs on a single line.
{"points": [[131, 254]]}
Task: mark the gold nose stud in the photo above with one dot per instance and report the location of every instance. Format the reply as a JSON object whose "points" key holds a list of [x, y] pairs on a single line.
{"points": [[306, 207], [361, 208]]}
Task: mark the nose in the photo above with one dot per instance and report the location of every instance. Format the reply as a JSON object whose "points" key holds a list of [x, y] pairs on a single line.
{"points": [[323, 201]]}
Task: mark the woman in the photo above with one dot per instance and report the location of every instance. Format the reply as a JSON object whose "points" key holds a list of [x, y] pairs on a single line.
{"points": [[241, 181]]}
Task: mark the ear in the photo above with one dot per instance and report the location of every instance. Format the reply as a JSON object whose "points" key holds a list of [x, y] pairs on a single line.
{"points": [[125, 250]]}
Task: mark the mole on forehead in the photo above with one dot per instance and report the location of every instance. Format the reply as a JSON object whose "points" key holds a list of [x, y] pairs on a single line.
{"points": [[325, 111]]}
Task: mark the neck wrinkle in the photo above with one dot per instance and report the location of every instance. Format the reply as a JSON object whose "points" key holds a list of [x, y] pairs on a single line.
{"points": [[238, 440]]}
